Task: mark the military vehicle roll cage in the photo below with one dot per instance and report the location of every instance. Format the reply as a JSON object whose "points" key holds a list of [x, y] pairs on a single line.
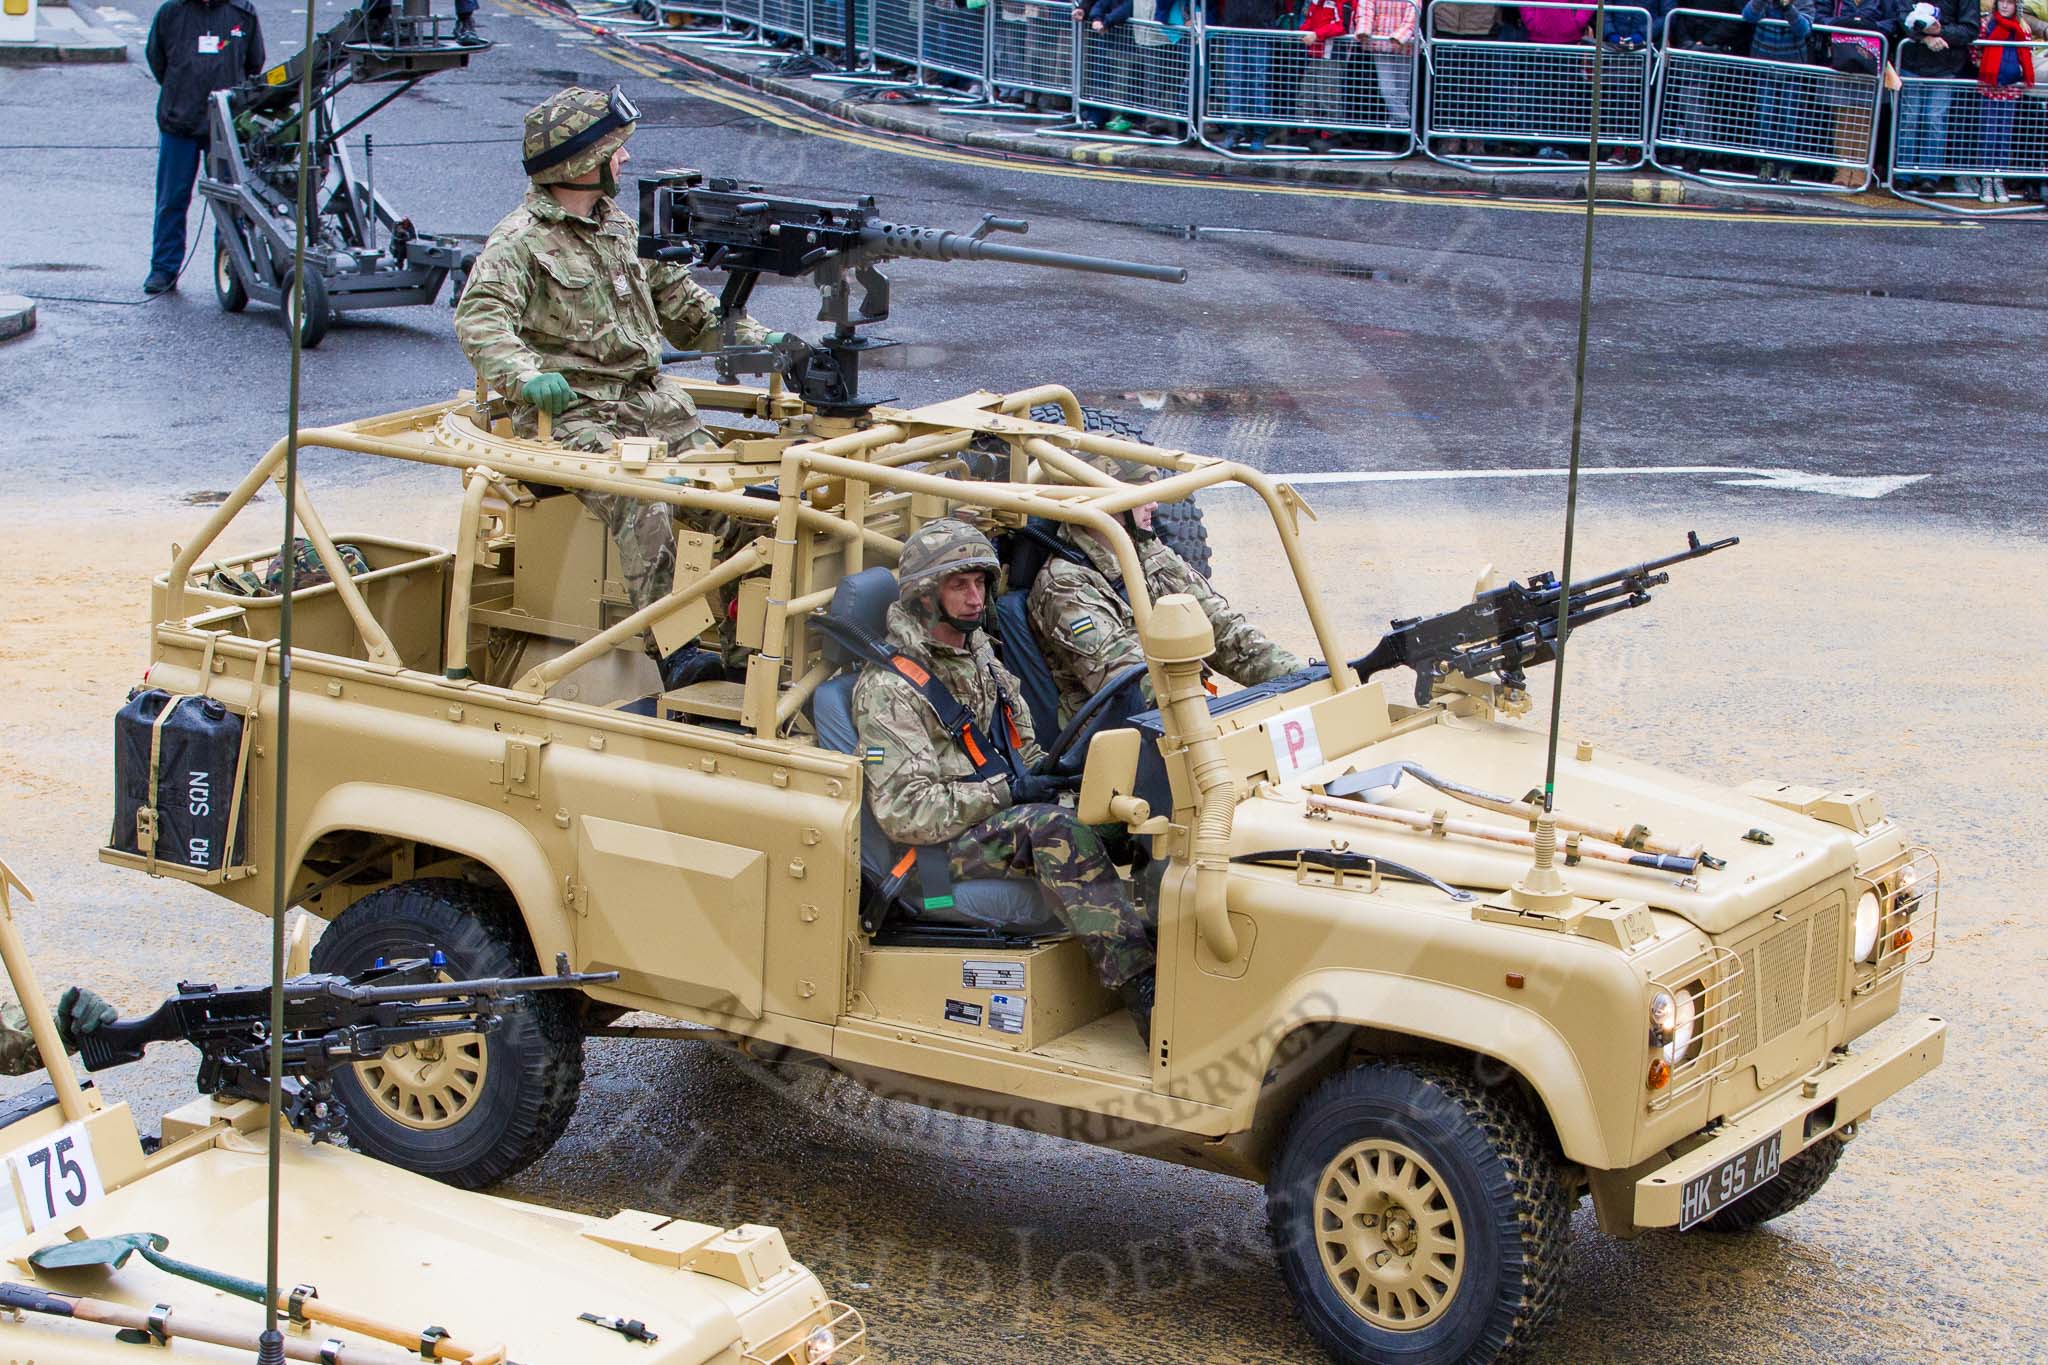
{"points": [[850, 468]]}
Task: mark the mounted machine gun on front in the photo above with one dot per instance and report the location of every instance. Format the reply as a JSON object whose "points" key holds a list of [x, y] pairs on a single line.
{"points": [[251, 174], [720, 224]]}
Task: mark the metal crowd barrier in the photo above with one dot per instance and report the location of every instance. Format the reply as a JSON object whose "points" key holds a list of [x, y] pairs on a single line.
{"points": [[1948, 127], [785, 17], [1147, 70], [1751, 111], [1034, 52], [1261, 82], [1524, 95], [828, 24]]}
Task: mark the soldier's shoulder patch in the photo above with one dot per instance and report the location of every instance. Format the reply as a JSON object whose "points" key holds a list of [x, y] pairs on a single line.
{"points": [[872, 755], [1082, 625]]}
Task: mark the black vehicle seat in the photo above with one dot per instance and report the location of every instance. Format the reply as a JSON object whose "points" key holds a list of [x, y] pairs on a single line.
{"points": [[1005, 906], [1023, 656]]}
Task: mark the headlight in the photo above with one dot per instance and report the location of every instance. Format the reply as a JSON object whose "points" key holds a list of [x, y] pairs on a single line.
{"points": [[819, 1346], [1674, 1019], [1869, 914]]}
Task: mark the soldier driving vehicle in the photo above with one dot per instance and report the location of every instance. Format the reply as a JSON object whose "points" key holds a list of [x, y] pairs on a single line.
{"points": [[951, 764], [1081, 614], [1428, 1028]]}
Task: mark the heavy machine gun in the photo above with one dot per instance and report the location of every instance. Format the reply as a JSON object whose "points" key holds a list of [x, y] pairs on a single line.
{"points": [[251, 175], [720, 224], [1507, 630], [330, 1022]]}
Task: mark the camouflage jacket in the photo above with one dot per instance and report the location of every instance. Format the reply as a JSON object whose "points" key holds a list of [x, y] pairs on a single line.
{"points": [[18, 1054], [1088, 632], [920, 782], [552, 292]]}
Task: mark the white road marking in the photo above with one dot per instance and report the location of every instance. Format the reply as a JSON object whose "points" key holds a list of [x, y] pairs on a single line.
{"points": [[1786, 480]]}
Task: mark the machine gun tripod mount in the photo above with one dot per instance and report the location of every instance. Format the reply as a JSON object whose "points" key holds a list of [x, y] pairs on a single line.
{"points": [[747, 232], [251, 174]]}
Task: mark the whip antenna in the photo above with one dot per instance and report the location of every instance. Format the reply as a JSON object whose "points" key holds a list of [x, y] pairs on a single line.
{"points": [[270, 1348], [1542, 888]]}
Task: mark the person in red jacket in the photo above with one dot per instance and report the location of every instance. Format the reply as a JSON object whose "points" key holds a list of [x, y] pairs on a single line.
{"points": [[2004, 73], [1325, 32]]}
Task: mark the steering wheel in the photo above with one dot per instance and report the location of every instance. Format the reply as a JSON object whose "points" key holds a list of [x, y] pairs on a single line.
{"points": [[1098, 712]]}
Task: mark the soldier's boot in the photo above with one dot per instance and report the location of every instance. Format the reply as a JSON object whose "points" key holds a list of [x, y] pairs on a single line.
{"points": [[1137, 994]]}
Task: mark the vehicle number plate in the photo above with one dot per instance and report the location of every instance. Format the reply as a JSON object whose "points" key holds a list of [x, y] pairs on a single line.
{"points": [[1728, 1182], [55, 1176]]}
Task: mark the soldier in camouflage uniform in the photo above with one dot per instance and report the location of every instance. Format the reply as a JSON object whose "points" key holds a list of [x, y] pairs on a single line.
{"points": [[561, 314], [78, 1011], [1085, 627], [921, 783]]}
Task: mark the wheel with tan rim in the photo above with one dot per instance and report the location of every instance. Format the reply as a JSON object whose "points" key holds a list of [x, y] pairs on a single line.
{"points": [[1418, 1216], [469, 1109]]}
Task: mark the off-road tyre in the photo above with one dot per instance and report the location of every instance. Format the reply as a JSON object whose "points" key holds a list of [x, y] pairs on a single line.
{"points": [[1485, 1159], [1797, 1181], [227, 285], [533, 1061], [1179, 524]]}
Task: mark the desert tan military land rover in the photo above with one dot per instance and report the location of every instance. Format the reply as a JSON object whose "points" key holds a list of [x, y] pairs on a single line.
{"points": [[1427, 1027], [165, 1244]]}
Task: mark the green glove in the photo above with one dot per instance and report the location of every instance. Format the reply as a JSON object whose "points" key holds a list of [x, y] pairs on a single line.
{"points": [[548, 392], [79, 1011]]}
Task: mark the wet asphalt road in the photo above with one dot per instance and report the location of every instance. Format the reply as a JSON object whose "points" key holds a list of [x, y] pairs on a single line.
{"points": [[1885, 640]]}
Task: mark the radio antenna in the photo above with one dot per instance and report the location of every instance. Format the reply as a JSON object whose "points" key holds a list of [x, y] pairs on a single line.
{"points": [[1542, 888]]}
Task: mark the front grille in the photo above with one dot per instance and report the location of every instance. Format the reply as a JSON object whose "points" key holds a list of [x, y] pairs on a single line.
{"points": [[1781, 981], [1824, 961], [1791, 974]]}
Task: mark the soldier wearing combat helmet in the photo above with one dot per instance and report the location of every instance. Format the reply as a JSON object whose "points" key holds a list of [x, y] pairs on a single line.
{"points": [[1083, 621], [561, 314], [995, 817]]}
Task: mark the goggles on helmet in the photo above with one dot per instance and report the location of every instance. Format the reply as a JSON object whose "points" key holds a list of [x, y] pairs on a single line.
{"points": [[619, 112]]}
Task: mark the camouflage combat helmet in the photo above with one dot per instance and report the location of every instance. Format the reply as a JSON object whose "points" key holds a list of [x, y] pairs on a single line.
{"points": [[945, 546], [572, 133]]}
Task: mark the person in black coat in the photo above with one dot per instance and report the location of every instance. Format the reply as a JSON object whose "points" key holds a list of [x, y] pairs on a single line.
{"points": [[195, 48]]}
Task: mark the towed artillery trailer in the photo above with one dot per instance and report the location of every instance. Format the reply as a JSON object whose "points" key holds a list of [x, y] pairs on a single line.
{"points": [[386, 1252], [1427, 1053]]}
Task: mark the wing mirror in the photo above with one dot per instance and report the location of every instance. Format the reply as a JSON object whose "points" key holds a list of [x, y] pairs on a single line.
{"points": [[1108, 779]]}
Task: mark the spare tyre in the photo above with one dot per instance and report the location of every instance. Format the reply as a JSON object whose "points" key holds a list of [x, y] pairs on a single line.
{"points": [[1177, 524]]}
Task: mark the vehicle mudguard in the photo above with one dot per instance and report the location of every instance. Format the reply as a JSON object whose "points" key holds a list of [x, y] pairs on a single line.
{"points": [[491, 837]]}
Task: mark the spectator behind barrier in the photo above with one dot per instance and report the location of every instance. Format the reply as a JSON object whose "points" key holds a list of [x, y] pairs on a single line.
{"points": [[1155, 82], [1473, 22], [1383, 38], [2003, 74], [1245, 75], [1859, 55], [1325, 31], [1555, 28], [1933, 40], [1781, 33], [2031, 128], [1099, 17]]}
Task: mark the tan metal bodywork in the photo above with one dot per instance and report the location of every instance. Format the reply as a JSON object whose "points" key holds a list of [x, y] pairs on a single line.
{"points": [[380, 1241], [710, 855]]}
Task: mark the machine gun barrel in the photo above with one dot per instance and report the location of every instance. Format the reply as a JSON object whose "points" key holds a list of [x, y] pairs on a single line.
{"points": [[1509, 629], [884, 240]]}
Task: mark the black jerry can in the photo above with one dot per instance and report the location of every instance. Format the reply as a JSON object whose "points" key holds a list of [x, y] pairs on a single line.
{"points": [[181, 769]]}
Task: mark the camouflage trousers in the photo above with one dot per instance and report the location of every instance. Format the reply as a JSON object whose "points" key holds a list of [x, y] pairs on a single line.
{"points": [[643, 531], [1049, 845]]}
